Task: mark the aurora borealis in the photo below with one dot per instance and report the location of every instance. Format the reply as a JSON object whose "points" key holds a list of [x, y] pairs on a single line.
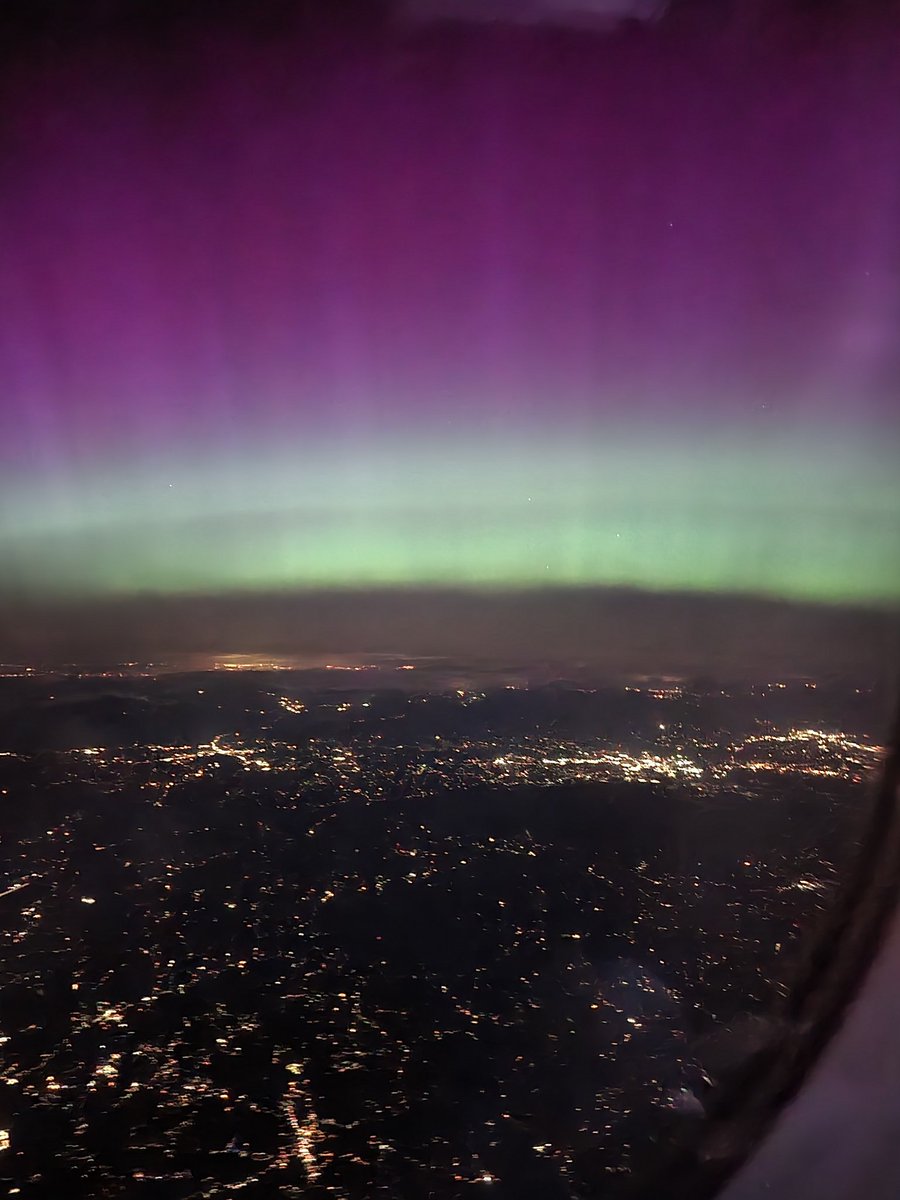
{"points": [[365, 305], [795, 520]]}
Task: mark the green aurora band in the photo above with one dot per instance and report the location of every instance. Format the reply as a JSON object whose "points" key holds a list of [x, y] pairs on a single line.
{"points": [[793, 515]]}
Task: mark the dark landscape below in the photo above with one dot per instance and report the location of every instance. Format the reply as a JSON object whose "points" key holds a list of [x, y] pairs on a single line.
{"points": [[355, 932]]}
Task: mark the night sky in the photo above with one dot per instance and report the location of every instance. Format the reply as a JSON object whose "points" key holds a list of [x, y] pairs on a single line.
{"points": [[384, 304]]}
